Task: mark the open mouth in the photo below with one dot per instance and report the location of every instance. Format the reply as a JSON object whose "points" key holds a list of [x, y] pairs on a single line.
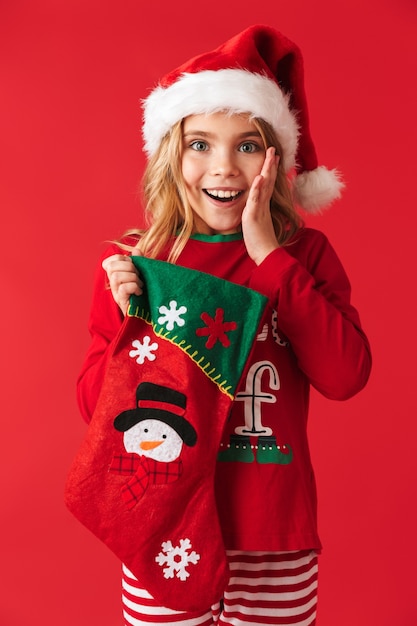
{"points": [[222, 196]]}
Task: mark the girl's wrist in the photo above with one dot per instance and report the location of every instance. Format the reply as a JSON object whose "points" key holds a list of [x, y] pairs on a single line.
{"points": [[264, 253]]}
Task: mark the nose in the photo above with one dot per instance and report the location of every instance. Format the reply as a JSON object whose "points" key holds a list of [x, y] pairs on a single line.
{"points": [[224, 163], [150, 445]]}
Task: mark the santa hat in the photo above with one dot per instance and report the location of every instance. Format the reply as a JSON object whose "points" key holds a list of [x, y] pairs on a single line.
{"points": [[260, 72]]}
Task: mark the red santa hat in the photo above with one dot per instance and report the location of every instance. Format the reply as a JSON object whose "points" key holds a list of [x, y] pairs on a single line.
{"points": [[260, 72]]}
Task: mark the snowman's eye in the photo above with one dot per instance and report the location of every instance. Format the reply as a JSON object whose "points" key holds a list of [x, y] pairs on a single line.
{"points": [[146, 430], [164, 436]]}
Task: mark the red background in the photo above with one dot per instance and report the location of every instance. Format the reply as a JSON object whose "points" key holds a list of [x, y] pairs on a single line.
{"points": [[72, 76]]}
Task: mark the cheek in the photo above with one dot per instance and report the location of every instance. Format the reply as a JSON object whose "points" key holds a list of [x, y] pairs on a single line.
{"points": [[190, 171], [254, 169]]}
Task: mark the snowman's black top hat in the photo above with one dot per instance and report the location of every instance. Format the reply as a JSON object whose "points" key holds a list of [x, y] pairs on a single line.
{"points": [[159, 403]]}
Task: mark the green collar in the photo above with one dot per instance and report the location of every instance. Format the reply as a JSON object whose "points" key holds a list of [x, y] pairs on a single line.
{"points": [[217, 238]]}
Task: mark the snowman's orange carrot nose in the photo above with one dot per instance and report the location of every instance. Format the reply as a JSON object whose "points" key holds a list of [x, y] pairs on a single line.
{"points": [[150, 445]]}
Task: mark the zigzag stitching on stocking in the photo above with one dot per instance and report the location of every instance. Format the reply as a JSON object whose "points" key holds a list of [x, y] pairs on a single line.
{"points": [[160, 331]]}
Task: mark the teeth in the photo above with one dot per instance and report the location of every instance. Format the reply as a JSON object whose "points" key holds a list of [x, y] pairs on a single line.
{"points": [[219, 193]]}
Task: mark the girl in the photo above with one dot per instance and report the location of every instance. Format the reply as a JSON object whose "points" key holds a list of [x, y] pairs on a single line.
{"points": [[230, 157]]}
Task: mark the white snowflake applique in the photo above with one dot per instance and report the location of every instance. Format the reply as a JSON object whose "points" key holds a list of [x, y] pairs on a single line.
{"points": [[172, 315], [177, 559], [143, 350]]}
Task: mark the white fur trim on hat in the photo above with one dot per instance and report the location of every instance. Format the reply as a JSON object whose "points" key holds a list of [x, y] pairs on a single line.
{"points": [[317, 188], [210, 91]]}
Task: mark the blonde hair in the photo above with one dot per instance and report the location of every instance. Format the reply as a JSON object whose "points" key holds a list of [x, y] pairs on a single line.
{"points": [[169, 216]]}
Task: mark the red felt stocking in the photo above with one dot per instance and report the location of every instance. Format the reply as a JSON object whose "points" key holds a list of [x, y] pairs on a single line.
{"points": [[143, 479]]}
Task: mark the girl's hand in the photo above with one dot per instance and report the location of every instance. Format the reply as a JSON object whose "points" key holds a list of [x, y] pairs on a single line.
{"points": [[123, 279], [257, 225]]}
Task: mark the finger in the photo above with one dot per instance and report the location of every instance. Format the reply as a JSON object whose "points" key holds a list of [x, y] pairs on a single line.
{"points": [[270, 163], [120, 268], [125, 290], [269, 174], [262, 188], [115, 260], [266, 164], [255, 190], [120, 276]]}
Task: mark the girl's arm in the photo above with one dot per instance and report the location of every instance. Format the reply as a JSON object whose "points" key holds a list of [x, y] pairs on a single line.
{"points": [[307, 285], [111, 291]]}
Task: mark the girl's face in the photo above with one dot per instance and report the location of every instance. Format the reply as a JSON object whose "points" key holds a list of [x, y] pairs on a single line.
{"points": [[222, 154]]}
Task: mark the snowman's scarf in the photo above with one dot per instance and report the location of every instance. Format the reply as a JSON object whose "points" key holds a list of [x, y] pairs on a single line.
{"points": [[146, 472]]}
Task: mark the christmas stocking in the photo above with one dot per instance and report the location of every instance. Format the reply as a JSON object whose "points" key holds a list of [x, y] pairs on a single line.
{"points": [[143, 479]]}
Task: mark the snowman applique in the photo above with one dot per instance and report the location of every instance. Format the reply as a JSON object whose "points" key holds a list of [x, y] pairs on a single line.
{"points": [[154, 434]]}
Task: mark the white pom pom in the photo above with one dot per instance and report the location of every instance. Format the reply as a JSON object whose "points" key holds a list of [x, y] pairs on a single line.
{"points": [[317, 189]]}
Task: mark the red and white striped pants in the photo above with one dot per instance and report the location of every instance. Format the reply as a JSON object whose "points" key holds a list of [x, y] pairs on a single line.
{"points": [[264, 588]]}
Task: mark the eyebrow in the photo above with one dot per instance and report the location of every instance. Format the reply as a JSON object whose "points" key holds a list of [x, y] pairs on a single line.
{"points": [[203, 133]]}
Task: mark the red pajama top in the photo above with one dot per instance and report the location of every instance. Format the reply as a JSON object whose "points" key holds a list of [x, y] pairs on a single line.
{"points": [[310, 335]]}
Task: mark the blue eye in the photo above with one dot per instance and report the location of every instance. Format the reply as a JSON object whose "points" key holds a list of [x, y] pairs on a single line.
{"points": [[248, 146], [199, 146]]}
